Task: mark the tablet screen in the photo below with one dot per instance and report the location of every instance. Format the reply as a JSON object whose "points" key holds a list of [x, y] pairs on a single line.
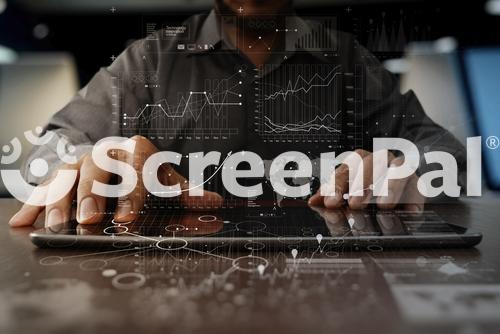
{"points": [[280, 223]]}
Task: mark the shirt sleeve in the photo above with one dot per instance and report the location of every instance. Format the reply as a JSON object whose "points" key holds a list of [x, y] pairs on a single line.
{"points": [[390, 113], [93, 114]]}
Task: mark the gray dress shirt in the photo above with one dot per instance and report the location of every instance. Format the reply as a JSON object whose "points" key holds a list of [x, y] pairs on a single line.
{"points": [[196, 92]]}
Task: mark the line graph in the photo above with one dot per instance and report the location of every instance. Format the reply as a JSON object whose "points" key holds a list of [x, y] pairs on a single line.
{"points": [[300, 103], [199, 114], [316, 124], [185, 106], [304, 86]]}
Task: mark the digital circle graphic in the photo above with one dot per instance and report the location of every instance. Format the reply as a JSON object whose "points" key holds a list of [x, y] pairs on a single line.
{"points": [[39, 167], [122, 244], [249, 263], [118, 223], [254, 246], [175, 228], [116, 229], [93, 264], [51, 261], [375, 248], [251, 226], [171, 244], [207, 218], [332, 254], [128, 281]]}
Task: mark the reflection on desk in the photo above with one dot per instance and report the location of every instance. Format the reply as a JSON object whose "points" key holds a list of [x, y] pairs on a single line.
{"points": [[228, 290]]}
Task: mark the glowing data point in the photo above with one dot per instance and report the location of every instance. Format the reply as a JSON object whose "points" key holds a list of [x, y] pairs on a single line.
{"points": [[261, 268], [319, 237], [294, 253], [109, 272]]}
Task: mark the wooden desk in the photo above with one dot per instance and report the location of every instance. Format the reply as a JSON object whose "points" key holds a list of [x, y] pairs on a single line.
{"points": [[72, 291]]}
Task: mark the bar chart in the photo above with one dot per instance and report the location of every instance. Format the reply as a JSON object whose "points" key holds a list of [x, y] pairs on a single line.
{"points": [[319, 34]]}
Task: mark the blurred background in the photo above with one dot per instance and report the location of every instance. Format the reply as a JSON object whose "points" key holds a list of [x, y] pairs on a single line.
{"points": [[51, 48], [94, 30]]}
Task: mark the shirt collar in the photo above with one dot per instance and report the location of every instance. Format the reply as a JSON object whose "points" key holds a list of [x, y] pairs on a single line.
{"points": [[209, 36]]}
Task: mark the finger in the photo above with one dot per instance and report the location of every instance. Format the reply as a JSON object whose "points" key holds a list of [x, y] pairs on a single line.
{"points": [[335, 220], [413, 199], [129, 207], [390, 224], [358, 222], [209, 199], [28, 214], [316, 199], [341, 187], [91, 207], [169, 176], [60, 211], [395, 189], [342, 183], [362, 185]]}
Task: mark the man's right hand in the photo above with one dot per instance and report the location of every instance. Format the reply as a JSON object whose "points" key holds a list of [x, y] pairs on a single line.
{"points": [[91, 208]]}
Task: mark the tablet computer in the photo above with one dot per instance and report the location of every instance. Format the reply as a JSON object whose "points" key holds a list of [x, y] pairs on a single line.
{"points": [[271, 228]]}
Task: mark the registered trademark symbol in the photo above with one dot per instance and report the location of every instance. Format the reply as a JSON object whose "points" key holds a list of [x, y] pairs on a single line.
{"points": [[492, 142]]}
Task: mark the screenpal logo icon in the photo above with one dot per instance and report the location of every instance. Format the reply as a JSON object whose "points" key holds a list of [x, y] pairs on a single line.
{"points": [[45, 194]]}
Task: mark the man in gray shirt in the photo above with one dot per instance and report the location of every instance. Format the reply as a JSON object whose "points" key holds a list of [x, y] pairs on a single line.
{"points": [[237, 79]]}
